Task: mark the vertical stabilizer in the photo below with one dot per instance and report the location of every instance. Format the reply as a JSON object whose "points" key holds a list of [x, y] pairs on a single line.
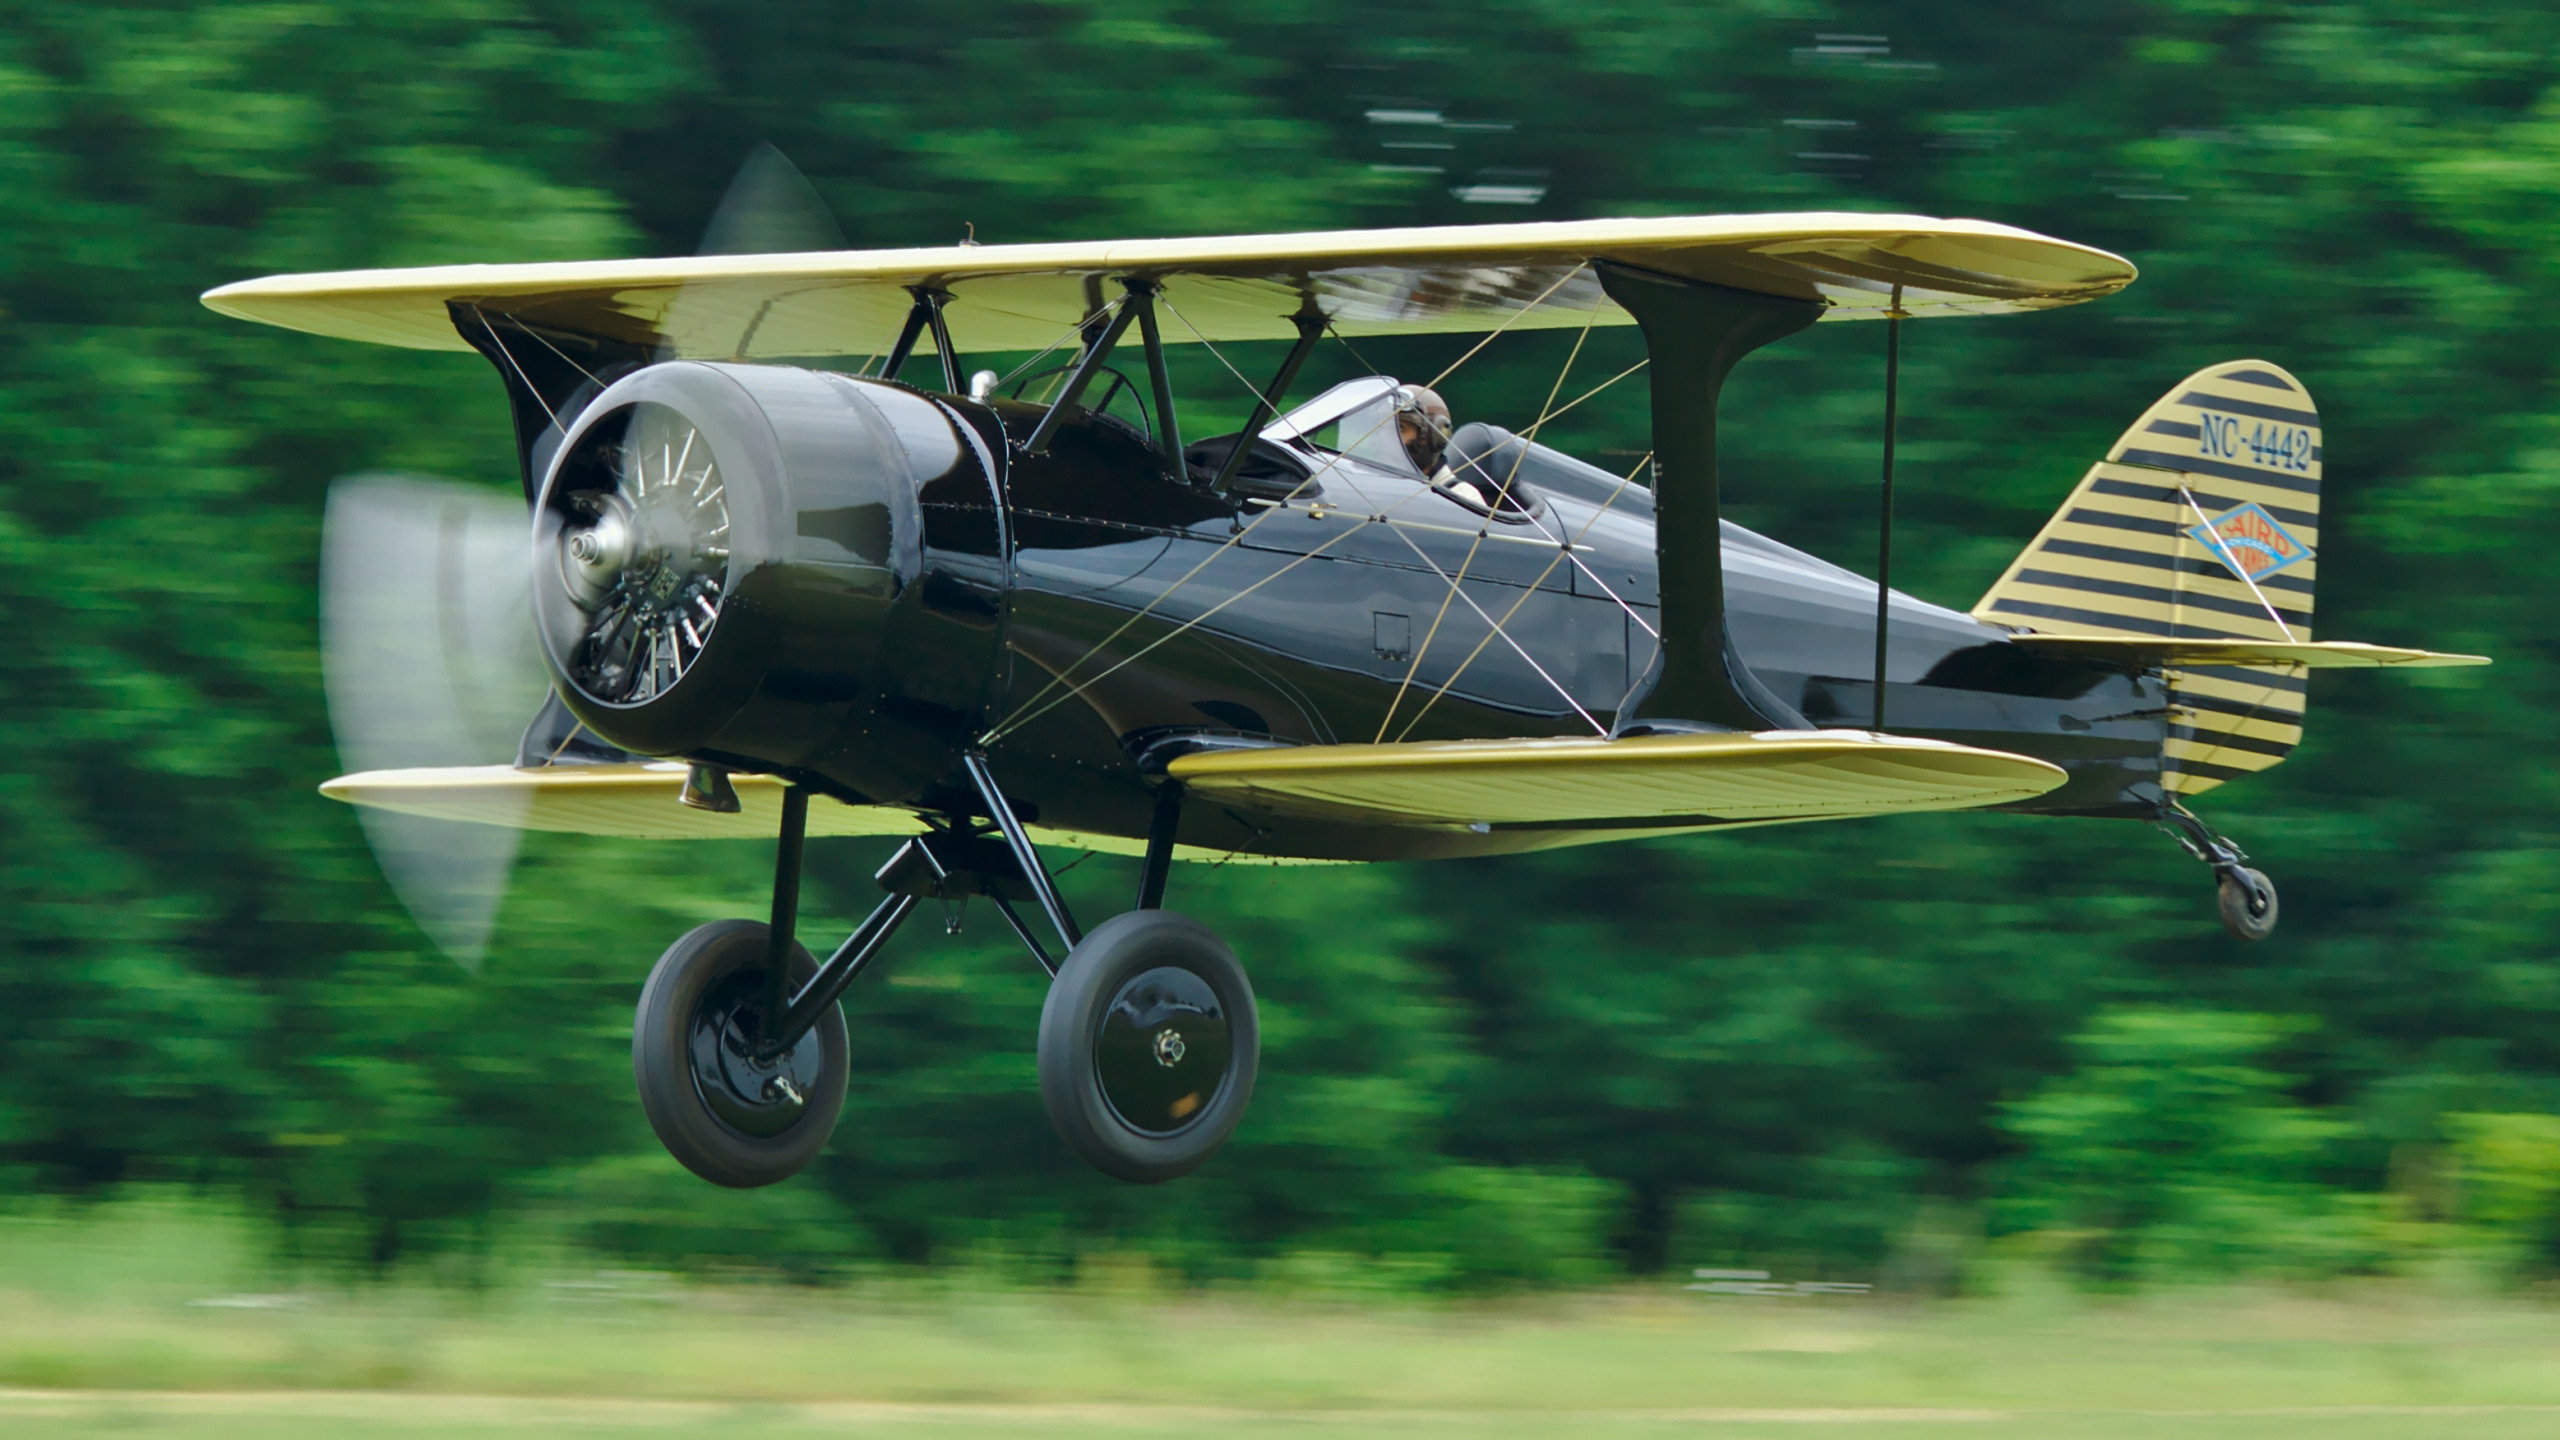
{"points": [[2203, 521]]}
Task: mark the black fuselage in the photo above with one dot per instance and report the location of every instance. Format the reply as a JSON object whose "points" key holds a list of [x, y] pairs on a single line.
{"points": [[1139, 613]]}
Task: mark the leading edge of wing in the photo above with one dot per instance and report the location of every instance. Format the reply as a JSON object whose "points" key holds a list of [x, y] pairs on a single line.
{"points": [[1771, 775], [1436, 277]]}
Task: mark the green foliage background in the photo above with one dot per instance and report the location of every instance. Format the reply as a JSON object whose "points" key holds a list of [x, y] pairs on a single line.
{"points": [[1847, 1049]]}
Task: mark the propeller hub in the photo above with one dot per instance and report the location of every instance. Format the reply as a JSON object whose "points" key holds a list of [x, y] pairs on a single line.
{"points": [[644, 554], [597, 554]]}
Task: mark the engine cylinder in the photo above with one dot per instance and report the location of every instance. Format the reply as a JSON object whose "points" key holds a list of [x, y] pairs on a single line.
{"points": [[731, 563]]}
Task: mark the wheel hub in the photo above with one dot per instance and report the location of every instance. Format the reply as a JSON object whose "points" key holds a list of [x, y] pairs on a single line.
{"points": [[1164, 1048], [754, 1096]]}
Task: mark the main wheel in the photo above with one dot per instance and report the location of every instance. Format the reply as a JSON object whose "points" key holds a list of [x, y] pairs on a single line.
{"points": [[728, 1116], [1148, 1045], [2248, 906]]}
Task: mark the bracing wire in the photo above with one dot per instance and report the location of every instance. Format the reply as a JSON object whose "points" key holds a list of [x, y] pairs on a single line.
{"points": [[2222, 548], [1423, 650], [1586, 571], [1507, 322], [1562, 554], [530, 388], [1074, 331], [563, 354], [1024, 714], [1042, 701]]}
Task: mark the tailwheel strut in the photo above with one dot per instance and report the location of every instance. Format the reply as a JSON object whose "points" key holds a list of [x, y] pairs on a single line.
{"points": [[2245, 897]]}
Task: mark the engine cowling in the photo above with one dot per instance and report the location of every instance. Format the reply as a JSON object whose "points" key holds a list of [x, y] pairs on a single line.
{"points": [[731, 563]]}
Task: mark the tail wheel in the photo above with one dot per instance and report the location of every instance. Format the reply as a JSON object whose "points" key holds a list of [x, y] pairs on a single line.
{"points": [[1148, 1046], [726, 1113], [2247, 899]]}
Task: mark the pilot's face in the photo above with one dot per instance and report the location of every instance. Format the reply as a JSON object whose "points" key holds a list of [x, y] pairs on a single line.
{"points": [[1424, 435]]}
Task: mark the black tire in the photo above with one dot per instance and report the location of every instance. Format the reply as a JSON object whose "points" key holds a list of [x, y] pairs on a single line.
{"points": [[1131, 1067], [720, 1113], [2242, 912]]}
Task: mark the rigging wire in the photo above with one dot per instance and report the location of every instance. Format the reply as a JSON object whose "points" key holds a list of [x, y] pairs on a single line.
{"points": [[1564, 552], [556, 350], [1025, 713], [1496, 333], [1040, 704], [1562, 555], [1423, 650], [1540, 526], [2266, 696], [1019, 719], [483, 318], [1587, 572], [1072, 332]]}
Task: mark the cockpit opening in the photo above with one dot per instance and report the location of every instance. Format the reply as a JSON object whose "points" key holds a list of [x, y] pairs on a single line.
{"points": [[1407, 430]]}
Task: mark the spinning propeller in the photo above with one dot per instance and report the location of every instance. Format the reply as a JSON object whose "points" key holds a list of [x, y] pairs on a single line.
{"points": [[428, 648], [428, 659]]}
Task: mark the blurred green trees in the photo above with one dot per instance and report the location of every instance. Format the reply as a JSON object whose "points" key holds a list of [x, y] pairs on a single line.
{"points": [[2172, 1152], [1797, 1046]]}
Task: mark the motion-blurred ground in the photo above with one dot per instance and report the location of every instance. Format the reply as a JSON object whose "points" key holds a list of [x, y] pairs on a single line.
{"points": [[165, 1319]]}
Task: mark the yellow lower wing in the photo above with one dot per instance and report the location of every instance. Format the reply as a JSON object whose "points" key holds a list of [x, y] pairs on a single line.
{"points": [[1777, 775], [2319, 655], [635, 802], [638, 802]]}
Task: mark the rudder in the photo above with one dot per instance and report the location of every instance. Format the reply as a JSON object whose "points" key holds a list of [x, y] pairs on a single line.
{"points": [[2202, 521]]}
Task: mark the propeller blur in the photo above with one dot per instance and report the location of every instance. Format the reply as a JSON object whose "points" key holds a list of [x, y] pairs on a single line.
{"points": [[428, 659]]}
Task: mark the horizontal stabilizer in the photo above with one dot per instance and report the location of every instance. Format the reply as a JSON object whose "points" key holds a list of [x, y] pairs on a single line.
{"points": [[1652, 779], [2318, 655]]}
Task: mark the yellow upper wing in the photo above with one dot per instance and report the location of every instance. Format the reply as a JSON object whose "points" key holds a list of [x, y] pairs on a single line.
{"points": [[1777, 775], [2318, 655], [1239, 287]]}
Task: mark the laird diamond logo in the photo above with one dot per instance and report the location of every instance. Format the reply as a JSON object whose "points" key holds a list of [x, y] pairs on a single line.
{"points": [[2249, 540]]}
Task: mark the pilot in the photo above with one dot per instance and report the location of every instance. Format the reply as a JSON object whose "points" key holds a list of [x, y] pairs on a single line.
{"points": [[1422, 424]]}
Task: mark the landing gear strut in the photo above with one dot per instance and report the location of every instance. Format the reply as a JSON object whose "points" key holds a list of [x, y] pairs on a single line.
{"points": [[1148, 1043], [2246, 898], [1149, 1040]]}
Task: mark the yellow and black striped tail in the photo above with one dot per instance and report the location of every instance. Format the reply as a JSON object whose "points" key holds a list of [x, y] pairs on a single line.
{"points": [[2202, 522]]}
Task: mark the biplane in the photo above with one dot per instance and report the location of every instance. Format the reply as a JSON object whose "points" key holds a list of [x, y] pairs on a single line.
{"points": [[779, 594]]}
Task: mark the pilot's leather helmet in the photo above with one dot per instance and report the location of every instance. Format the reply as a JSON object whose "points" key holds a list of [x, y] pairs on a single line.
{"points": [[1422, 423]]}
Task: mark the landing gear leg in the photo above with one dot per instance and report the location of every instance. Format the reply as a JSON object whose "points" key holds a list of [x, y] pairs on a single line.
{"points": [[738, 1048], [2245, 897], [1149, 1041], [1159, 866]]}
